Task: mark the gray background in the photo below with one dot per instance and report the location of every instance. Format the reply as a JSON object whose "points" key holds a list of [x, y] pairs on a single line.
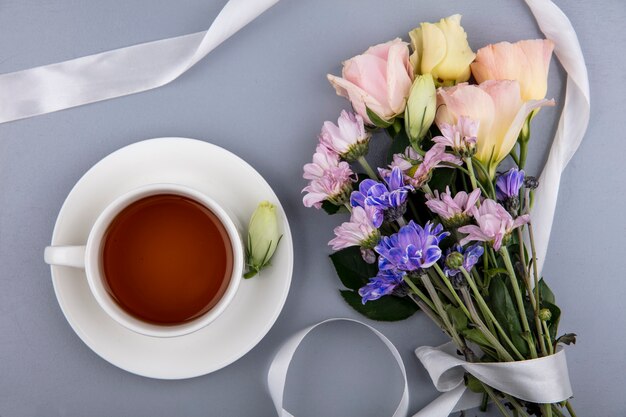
{"points": [[263, 95]]}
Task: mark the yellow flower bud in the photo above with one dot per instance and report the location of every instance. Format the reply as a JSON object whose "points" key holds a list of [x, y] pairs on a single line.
{"points": [[441, 49], [421, 108], [263, 238]]}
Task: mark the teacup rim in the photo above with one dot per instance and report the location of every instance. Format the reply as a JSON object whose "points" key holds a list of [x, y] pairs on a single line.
{"points": [[93, 264]]}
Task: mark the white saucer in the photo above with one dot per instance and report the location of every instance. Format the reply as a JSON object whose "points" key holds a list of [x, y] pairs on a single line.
{"points": [[232, 183]]}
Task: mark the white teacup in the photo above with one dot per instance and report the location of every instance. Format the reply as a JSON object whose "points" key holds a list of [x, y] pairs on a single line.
{"points": [[89, 257]]}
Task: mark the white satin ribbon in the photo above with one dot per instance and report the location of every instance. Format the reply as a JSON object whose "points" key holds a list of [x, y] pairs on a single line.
{"points": [[118, 72], [277, 376], [572, 124], [543, 380]]}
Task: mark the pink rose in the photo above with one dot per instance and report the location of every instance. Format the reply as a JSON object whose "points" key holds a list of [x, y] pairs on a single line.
{"points": [[380, 79], [526, 62]]}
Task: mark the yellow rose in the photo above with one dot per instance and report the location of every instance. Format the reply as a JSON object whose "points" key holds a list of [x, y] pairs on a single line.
{"points": [[441, 49]]}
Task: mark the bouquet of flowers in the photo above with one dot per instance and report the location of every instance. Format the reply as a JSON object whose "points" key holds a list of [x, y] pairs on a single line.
{"points": [[444, 227]]}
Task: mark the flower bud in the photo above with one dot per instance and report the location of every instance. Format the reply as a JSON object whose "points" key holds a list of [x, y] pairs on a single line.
{"points": [[263, 238], [455, 260], [545, 314], [531, 182], [420, 108]]}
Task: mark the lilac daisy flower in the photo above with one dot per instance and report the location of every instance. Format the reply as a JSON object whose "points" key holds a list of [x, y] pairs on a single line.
{"points": [[348, 137], [494, 224], [329, 179], [454, 211], [412, 248], [417, 170], [471, 255], [461, 137], [509, 184], [387, 198], [359, 231], [382, 284]]}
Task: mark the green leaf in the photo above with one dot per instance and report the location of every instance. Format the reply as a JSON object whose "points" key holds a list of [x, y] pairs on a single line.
{"points": [[388, 308], [545, 293], [459, 319], [476, 336], [473, 383], [567, 339], [331, 208], [504, 310], [441, 178], [376, 119], [352, 270], [492, 272]]}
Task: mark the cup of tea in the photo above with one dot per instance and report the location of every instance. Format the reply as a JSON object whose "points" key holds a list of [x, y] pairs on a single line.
{"points": [[162, 260]]}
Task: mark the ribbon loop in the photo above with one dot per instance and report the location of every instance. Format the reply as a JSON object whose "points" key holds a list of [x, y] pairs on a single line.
{"points": [[277, 375]]}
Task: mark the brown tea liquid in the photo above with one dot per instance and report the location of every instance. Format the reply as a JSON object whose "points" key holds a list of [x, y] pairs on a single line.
{"points": [[167, 259]]}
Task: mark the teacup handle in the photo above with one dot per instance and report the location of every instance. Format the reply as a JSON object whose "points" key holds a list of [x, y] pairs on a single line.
{"points": [[73, 256]]}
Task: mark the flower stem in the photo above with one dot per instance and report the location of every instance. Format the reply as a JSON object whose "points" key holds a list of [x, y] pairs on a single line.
{"points": [[368, 169], [417, 292], [446, 281], [401, 221], [481, 326], [487, 312], [534, 298], [426, 189], [441, 311], [548, 339], [495, 399], [470, 168], [518, 298], [523, 152], [348, 206], [570, 409]]}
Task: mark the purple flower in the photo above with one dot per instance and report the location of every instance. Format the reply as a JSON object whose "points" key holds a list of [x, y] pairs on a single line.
{"points": [[461, 137], [412, 248], [509, 184], [392, 193], [348, 138], [359, 231], [329, 179], [453, 210], [471, 256], [382, 284], [494, 224]]}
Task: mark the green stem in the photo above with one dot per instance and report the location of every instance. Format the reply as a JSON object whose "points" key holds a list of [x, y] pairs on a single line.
{"points": [[481, 326], [446, 281], [487, 312], [348, 206], [401, 221], [430, 313], [518, 407], [495, 399], [426, 189], [519, 300], [417, 292], [548, 339], [523, 152], [546, 410], [441, 311], [470, 168], [368, 169], [534, 301], [556, 410], [570, 409]]}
